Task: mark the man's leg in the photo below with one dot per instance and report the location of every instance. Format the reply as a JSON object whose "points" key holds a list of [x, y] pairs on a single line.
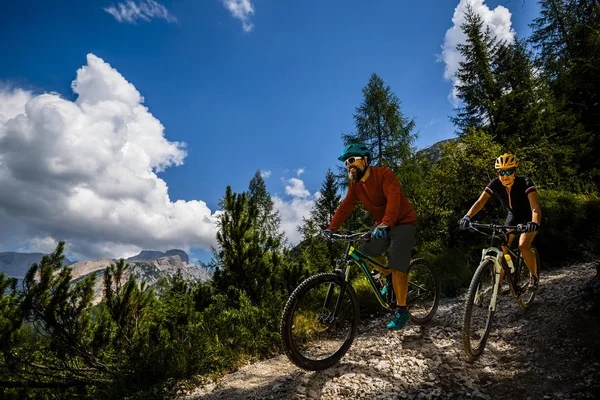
{"points": [[380, 260], [402, 240], [400, 285], [375, 249]]}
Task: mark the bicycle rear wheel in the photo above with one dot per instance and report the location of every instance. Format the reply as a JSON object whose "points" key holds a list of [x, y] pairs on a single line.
{"points": [[526, 296], [477, 319], [312, 338], [423, 297]]}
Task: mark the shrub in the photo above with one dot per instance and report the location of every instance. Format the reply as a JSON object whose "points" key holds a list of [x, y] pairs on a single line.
{"points": [[570, 225]]}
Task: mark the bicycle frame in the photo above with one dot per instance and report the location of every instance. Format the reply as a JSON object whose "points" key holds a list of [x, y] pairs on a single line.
{"points": [[496, 255], [359, 258], [355, 256]]}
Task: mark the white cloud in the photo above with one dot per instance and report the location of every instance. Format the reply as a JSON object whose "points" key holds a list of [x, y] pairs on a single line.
{"points": [[299, 171], [291, 213], [12, 103], [84, 171], [265, 174], [295, 205], [295, 188], [242, 10], [40, 245], [499, 22], [145, 10], [294, 209]]}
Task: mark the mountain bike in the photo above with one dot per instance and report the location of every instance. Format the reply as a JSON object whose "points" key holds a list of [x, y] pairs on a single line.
{"points": [[485, 285], [321, 317]]}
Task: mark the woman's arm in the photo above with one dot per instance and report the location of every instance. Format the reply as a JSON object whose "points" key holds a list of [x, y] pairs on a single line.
{"points": [[536, 209], [478, 205]]}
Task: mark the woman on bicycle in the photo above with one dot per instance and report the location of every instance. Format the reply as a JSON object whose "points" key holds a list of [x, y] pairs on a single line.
{"points": [[378, 189], [519, 196]]}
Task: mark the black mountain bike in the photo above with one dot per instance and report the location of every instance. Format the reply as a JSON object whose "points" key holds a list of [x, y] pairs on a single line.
{"points": [[321, 317], [485, 285]]}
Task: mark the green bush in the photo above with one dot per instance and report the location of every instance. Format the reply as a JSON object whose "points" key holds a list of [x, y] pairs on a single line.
{"points": [[369, 305], [570, 225], [455, 268]]}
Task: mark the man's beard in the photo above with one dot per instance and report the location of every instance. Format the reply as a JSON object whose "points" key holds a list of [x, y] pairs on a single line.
{"points": [[356, 173]]}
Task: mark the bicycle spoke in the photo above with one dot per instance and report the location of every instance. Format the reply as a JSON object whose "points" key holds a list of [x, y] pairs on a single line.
{"points": [[423, 291], [314, 336], [526, 296]]}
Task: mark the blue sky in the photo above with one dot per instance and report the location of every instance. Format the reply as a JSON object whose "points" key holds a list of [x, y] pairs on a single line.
{"points": [[122, 122]]}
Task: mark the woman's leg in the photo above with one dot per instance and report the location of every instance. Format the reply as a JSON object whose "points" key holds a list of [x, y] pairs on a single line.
{"points": [[526, 252], [511, 220]]}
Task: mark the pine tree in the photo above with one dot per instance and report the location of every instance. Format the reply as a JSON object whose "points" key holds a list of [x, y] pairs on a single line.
{"points": [[319, 255], [381, 125], [268, 217], [249, 256], [552, 38], [476, 88], [527, 121], [567, 41], [51, 340], [325, 207]]}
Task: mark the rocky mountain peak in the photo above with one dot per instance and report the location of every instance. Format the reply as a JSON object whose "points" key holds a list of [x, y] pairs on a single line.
{"points": [[151, 255]]}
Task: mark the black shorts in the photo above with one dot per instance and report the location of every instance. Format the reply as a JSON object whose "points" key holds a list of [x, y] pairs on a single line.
{"points": [[512, 219], [400, 242]]}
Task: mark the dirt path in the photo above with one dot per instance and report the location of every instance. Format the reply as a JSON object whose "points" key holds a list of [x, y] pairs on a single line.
{"points": [[551, 351]]}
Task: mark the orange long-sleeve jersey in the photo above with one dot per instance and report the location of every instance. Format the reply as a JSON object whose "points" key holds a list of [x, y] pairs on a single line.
{"points": [[381, 195]]}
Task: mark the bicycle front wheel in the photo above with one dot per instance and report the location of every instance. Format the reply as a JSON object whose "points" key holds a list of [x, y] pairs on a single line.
{"points": [[313, 335], [477, 319], [423, 297]]}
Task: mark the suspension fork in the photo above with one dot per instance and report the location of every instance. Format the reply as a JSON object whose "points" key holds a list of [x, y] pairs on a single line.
{"points": [[497, 272], [344, 274], [496, 256]]}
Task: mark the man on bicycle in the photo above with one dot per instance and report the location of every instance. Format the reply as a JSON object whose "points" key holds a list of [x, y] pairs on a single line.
{"points": [[519, 196], [378, 189]]}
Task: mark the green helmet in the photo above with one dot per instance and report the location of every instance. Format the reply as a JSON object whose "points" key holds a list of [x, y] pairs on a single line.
{"points": [[355, 149]]}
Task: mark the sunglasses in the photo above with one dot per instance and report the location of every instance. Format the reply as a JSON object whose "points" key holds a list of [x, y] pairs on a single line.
{"points": [[352, 160], [508, 172]]}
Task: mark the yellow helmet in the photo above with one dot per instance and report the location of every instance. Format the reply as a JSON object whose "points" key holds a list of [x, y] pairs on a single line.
{"points": [[506, 161]]}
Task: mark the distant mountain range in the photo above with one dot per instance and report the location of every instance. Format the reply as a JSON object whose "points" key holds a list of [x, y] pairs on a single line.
{"points": [[17, 264], [150, 255], [434, 152], [148, 266]]}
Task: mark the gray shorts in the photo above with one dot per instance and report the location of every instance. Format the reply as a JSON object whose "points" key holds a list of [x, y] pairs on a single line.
{"points": [[400, 242]]}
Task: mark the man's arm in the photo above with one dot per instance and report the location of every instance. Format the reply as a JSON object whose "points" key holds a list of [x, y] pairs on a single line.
{"points": [[391, 190], [344, 210]]}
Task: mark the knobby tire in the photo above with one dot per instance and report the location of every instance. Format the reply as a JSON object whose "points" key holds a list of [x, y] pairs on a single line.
{"points": [[526, 298], [472, 352], [419, 319], [292, 346]]}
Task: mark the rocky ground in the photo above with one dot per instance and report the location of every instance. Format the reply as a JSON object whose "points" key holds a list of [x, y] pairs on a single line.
{"points": [[550, 351]]}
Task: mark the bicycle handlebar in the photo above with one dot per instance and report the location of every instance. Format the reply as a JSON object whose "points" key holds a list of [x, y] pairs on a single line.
{"points": [[351, 236], [520, 228]]}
